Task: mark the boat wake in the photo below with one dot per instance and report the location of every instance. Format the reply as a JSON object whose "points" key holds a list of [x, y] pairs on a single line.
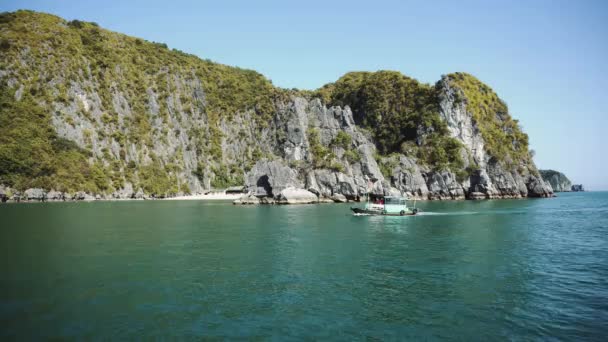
{"points": [[426, 213], [432, 213]]}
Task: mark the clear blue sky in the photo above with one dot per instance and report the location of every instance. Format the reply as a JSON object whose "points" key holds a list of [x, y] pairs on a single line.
{"points": [[547, 59]]}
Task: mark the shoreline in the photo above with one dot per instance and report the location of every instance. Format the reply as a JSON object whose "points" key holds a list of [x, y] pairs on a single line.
{"points": [[219, 196], [205, 197], [198, 197]]}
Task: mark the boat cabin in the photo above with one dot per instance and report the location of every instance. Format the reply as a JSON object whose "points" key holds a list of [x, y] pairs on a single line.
{"points": [[394, 205], [387, 204]]}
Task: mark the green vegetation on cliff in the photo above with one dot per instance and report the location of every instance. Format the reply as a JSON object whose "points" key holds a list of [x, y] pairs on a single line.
{"points": [[52, 60], [32, 155], [504, 139], [84, 108], [401, 113], [403, 116], [80, 50]]}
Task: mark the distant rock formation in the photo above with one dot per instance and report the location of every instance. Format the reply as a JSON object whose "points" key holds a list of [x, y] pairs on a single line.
{"points": [[559, 182], [577, 187]]}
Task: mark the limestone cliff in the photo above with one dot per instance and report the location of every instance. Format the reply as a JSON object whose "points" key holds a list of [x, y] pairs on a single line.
{"points": [[559, 182], [486, 177], [87, 113]]}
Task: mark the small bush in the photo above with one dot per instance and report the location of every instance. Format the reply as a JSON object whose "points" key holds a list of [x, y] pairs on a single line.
{"points": [[352, 156], [343, 140]]}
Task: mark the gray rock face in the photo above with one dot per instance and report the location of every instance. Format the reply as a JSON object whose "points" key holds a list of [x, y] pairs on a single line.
{"points": [[327, 183], [538, 188], [559, 182], [502, 183], [269, 178], [460, 123], [295, 146], [5, 193], [443, 185], [35, 194], [408, 178], [83, 196], [296, 196], [301, 115], [339, 198], [492, 179], [55, 196], [368, 164], [175, 129]]}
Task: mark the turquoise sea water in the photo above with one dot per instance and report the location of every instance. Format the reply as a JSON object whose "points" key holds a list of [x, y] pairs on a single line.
{"points": [[504, 269]]}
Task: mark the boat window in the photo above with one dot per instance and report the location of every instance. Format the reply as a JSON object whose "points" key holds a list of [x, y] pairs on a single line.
{"points": [[395, 200]]}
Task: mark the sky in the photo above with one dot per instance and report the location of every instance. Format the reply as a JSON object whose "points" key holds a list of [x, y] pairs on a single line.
{"points": [[547, 59]]}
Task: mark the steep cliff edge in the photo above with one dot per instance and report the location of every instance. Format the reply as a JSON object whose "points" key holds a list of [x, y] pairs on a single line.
{"points": [[88, 113], [455, 140], [559, 182]]}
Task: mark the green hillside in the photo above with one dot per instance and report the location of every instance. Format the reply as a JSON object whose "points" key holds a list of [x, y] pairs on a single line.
{"points": [[150, 106]]}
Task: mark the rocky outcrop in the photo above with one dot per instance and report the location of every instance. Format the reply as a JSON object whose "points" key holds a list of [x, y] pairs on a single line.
{"points": [[578, 187], [35, 194], [296, 196], [83, 196], [55, 196], [269, 177], [247, 199], [559, 182], [443, 185], [407, 177], [8, 194], [295, 167], [491, 178], [538, 188], [292, 165], [460, 122], [5, 193]]}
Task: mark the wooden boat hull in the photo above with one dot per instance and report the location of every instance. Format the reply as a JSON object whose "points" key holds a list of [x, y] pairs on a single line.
{"points": [[382, 213]]}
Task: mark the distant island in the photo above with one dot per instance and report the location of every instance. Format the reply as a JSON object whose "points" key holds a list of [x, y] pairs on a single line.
{"points": [[88, 113], [578, 187], [559, 182]]}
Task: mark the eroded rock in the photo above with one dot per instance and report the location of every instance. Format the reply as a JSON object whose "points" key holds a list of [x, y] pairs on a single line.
{"points": [[292, 195], [35, 194]]}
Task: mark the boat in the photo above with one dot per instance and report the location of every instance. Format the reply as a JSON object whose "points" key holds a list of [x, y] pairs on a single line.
{"points": [[387, 206]]}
